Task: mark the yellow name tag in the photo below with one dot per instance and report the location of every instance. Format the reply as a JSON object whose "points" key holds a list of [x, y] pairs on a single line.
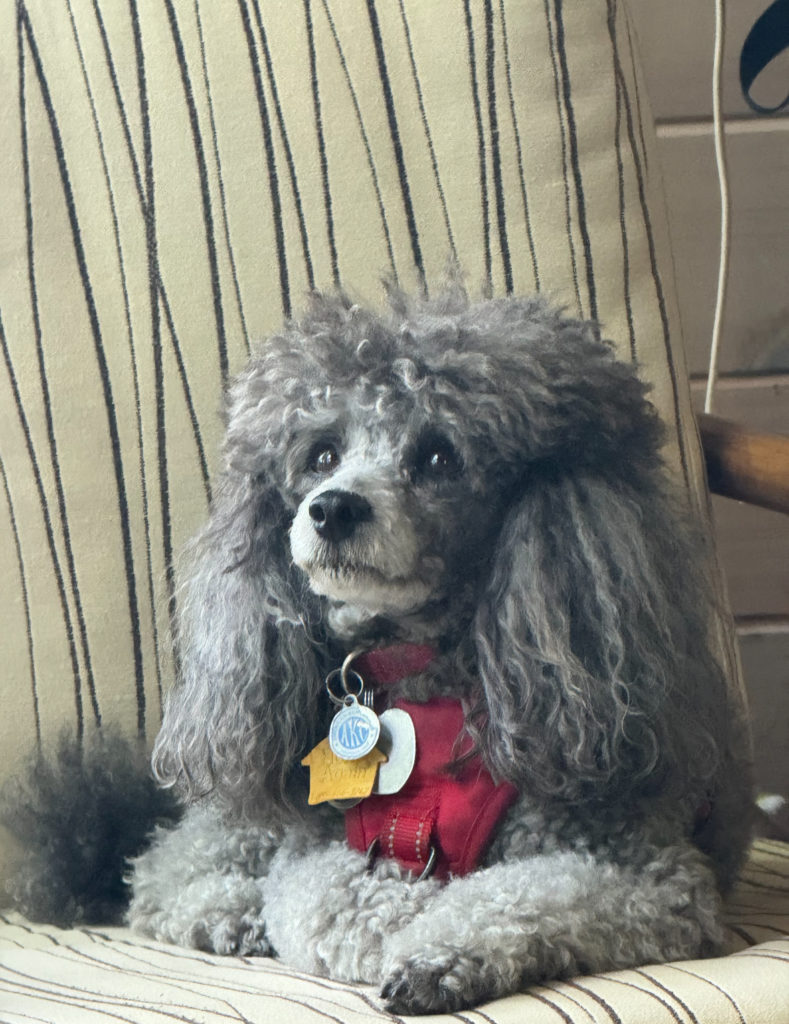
{"points": [[332, 778]]}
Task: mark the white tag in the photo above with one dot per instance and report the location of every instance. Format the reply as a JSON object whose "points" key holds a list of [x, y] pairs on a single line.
{"points": [[398, 742]]}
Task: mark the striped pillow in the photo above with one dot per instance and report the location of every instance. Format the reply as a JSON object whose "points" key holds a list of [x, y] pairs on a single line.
{"points": [[179, 175]]}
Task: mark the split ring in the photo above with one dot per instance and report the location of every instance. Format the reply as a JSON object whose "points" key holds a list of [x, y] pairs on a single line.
{"points": [[343, 674]]}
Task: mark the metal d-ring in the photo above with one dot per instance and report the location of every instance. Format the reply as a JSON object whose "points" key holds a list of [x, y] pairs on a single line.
{"points": [[430, 867], [369, 857], [427, 870]]}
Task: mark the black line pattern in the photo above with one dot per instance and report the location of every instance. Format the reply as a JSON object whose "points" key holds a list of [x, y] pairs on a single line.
{"points": [[575, 157], [729, 999], [364, 136], [604, 1004], [157, 285], [428, 132], [202, 170], [397, 145], [220, 177], [518, 145], [127, 172], [132, 350], [495, 147], [316, 104], [44, 381], [664, 988], [305, 245], [562, 135], [20, 561], [620, 178], [481, 147], [652, 995], [268, 144]]}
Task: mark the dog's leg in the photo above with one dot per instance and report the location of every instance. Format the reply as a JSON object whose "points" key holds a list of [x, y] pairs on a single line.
{"points": [[503, 928], [326, 914], [199, 884]]}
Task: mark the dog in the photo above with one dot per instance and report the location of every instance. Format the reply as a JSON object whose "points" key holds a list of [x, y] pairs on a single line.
{"points": [[448, 719]]}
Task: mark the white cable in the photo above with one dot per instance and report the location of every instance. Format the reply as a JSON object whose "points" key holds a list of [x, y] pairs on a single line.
{"points": [[725, 204]]}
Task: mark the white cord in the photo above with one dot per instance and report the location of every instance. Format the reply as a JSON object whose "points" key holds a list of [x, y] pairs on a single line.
{"points": [[723, 185]]}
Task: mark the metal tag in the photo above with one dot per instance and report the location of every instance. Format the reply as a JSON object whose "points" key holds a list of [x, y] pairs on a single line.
{"points": [[354, 730], [398, 742]]}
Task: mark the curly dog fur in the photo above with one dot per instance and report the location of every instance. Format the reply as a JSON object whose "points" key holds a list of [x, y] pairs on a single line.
{"points": [[510, 507]]}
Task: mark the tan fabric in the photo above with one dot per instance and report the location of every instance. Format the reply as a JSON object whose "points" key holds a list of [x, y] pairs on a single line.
{"points": [[82, 976]]}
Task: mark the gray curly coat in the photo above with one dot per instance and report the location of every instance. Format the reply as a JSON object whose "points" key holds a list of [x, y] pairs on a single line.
{"points": [[516, 515]]}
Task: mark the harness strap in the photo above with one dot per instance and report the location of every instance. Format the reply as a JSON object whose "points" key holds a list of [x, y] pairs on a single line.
{"points": [[449, 813]]}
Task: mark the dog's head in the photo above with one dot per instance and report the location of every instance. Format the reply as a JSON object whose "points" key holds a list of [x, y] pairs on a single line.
{"points": [[486, 475], [398, 444]]}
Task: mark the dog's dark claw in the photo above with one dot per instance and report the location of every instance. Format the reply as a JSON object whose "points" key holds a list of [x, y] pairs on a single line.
{"points": [[443, 982]]}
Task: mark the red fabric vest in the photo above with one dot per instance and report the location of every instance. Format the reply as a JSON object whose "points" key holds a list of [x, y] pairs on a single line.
{"points": [[455, 812]]}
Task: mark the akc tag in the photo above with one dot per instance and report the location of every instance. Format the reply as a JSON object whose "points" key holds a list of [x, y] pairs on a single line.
{"points": [[354, 730], [332, 778]]}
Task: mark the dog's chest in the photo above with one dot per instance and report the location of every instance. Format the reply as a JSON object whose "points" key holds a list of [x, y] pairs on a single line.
{"points": [[427, 800], [445, 816]]}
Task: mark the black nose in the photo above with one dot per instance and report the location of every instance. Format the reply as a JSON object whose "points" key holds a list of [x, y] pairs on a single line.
{"points": [[336, 514]]}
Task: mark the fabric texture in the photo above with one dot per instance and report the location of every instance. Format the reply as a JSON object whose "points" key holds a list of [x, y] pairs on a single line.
{"points": [[176, 176], [113, 974]]}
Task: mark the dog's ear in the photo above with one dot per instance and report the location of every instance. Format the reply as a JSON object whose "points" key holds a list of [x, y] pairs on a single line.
{"points": [[592, 641], [237, 720]]}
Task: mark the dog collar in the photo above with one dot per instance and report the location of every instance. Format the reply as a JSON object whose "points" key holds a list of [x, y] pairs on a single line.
{"points": [[388, 665]]}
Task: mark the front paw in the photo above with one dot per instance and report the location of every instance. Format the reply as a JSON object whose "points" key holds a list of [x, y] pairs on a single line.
{"points": [[438, 980], [231, 936]]}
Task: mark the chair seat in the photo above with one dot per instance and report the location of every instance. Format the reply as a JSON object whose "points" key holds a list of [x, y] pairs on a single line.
{"points": [[88, 975]]}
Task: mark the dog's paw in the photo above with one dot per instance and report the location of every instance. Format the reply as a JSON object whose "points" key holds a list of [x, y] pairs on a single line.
{"points": [[238, 937], [437, 980]]}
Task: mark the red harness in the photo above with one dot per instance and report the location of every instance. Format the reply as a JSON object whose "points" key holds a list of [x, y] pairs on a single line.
{"points": [[451, 813]]}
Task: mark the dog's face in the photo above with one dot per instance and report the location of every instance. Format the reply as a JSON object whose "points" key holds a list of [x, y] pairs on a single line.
{"points": [[392, 520]]}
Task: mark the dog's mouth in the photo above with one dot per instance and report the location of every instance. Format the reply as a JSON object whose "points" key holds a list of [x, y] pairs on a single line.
{"points": [[366, 586], [350, 570]]}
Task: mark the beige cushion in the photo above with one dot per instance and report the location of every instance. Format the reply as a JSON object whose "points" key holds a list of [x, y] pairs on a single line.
{"points": [[104, 974], [175, 179]]}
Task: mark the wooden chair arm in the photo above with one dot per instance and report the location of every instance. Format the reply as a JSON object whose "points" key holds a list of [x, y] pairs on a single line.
{"points": [[744, 464]]}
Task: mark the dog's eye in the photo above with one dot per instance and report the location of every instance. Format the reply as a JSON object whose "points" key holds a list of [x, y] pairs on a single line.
{"points": [[437, 459], [324, 458]]}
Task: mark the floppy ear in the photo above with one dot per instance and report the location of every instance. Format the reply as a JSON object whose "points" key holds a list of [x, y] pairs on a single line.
{"points": [[238, 719], [592, 641]]}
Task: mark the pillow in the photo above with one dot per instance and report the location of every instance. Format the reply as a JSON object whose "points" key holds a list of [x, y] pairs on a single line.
{"points": [[178, 176]]}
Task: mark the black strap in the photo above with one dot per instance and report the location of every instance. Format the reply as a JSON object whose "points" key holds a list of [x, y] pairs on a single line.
{"points": [[768, 37]]}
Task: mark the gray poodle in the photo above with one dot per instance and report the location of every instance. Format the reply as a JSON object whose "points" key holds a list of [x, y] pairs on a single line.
{"points": [[444, 568]]}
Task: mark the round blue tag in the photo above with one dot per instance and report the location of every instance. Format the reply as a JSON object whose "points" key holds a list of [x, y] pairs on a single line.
{"points": [[354, 731]]}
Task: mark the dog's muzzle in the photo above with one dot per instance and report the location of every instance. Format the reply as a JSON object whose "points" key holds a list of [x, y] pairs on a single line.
{"points": [[359, 546], [336, 514]]}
